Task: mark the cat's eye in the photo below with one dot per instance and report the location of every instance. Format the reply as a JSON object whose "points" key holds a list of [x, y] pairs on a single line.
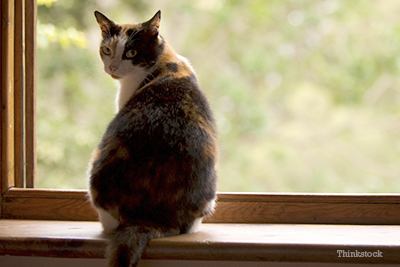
{"points": [[106, 51], [131, 54]]}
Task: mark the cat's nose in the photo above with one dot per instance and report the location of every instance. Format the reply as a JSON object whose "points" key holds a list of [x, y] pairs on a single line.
{"points": [[113, 68]]}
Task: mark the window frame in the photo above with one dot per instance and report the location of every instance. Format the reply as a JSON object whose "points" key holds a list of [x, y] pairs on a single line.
{"points": [[20, 200]]}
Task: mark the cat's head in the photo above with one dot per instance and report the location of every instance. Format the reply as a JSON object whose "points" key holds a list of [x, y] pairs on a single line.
{"points": [[127, 48]]}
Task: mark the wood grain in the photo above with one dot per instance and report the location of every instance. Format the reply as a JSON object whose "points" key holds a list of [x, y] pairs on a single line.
{"points": [[231, 208], [19, 94], [311, 197], [229, 242], [298, 212], [51, 239], [48, 205], [30, 85], [7, 95]]}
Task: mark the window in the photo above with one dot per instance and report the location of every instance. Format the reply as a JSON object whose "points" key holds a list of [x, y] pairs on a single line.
{"points": [[19, 198], [302, 105]]}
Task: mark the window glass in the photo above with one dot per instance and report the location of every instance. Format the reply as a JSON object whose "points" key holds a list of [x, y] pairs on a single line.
{"points": [[305, 93]]}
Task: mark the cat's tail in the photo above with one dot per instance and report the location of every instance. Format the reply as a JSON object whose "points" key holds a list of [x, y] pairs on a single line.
{"points": [[127, 244]]}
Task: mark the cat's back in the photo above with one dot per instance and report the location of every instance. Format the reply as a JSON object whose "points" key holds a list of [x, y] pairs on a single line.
{"points": [[169, 106], [164, 149], [173, 82]]}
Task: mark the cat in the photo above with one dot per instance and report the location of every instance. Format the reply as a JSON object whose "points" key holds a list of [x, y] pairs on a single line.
{"points": [[153, 173]]}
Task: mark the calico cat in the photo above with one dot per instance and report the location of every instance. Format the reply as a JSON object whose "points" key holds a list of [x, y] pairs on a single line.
{"points": [[153, 173]]}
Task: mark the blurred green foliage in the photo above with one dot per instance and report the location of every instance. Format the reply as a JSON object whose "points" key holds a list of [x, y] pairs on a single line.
{"points": [[306, 93]]}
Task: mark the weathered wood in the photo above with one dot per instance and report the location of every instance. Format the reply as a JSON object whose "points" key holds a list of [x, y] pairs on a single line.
{"points": [[231, 208], [230, 242]]}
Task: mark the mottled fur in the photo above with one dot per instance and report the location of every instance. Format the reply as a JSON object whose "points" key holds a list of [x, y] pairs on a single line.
{"points": [[153, 173]]}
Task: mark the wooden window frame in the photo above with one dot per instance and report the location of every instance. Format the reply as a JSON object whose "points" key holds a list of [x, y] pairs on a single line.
{"points": [[20, 200]]}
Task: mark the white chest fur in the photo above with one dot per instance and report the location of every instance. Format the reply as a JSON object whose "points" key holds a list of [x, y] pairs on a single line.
{"points": [[128, 86]]}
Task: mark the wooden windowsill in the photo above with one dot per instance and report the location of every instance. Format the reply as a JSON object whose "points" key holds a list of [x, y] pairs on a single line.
{"points": [[233, 242]]}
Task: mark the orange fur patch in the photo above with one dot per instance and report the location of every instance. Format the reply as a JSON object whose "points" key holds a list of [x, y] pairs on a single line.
{"points": [[169, 56], [122, 152], [211, 147]]}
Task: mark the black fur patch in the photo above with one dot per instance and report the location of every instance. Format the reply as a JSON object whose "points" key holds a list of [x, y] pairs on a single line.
{"points": [[172, 67], [150, 77], [131, 33], [147, 47]]}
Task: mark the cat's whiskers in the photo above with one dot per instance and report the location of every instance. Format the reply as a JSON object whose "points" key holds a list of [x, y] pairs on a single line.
{"points": [[149, 76], [93, 72]]}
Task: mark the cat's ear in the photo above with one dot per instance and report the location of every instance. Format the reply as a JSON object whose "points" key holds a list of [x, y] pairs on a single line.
{"points": [[106, 25], [153, 24]]}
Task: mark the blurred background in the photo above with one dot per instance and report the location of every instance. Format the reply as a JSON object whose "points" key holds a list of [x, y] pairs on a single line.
{"points": [[306, 94]]}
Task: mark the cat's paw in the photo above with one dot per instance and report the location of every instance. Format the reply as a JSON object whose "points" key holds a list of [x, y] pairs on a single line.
{"points": [[195, 226]]}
